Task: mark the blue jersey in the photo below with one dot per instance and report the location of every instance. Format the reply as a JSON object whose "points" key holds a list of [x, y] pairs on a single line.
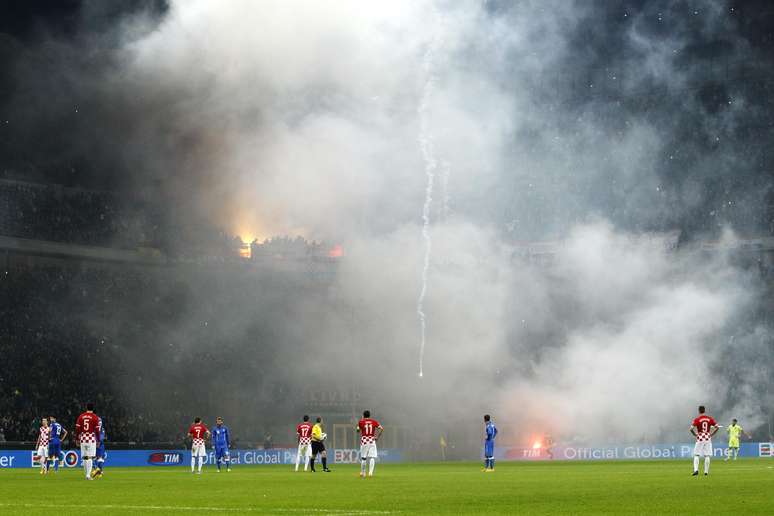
{"points": [[491, 431], [221, 437], [56, 433]]}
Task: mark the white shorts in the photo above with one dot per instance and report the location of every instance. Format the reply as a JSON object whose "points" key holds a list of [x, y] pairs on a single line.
{"points": [[43, 452], [703, 448], [305, 450], [368, 451], [88, 450], [198, 450]]}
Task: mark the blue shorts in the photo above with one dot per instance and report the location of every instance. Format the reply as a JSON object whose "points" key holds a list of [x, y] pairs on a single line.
{"points": [[54, 450], [488, 449], [221, 451]]}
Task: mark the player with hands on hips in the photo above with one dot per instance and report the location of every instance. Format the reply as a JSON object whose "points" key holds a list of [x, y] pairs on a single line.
{"points": [[370, 430], [703, 428]]}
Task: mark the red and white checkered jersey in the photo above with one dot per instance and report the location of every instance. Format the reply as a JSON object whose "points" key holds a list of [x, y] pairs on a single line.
{"points": [[87, 427], [704, 425], [198, 433], [45, 432], [304, 431], [368, 428]]}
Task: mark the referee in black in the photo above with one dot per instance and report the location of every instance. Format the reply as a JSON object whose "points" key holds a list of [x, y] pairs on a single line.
{"points": [[318, 445]]}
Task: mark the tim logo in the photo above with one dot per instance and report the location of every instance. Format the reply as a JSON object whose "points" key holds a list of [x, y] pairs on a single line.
{"points": [[165, 459], [765, 450]]}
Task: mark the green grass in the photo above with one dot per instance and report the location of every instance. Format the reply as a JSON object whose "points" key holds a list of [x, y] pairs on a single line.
{"points": [[660, 487]]}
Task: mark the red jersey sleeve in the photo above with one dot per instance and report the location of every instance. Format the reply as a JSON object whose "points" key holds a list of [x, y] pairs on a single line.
{"points": [[191, 429], [78, 426], [712, 422]]}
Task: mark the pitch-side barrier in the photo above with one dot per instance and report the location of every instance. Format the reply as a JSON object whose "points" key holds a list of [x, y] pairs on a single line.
{"points": [[626, 452], [121, 458]]}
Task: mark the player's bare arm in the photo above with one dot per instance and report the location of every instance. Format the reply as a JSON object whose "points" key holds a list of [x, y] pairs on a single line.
{"points": [[378, 434], [714, 430], [693, 430]]}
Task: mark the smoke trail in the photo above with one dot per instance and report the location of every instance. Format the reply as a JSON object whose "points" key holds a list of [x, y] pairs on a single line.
{"points": [[445, 210], [428, 154]]}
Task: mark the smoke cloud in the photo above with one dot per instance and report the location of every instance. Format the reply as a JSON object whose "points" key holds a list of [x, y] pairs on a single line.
{"points": [[602, 129]]}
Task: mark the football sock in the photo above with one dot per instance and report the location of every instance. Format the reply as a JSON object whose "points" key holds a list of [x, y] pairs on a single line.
{"points": [[311, 463], [362, 467], [101, 465], [228, 462], [306, 463], [201, 460], [56, 464], [706, 464], [491, 463], [217, 463], [736, 453], [325, 462], [695, 463], [193, 463], [87, 466], [298, 460], [371, 464]]}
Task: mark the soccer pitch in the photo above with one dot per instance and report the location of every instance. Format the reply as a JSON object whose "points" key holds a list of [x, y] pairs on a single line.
{"points": [[744, 486]]}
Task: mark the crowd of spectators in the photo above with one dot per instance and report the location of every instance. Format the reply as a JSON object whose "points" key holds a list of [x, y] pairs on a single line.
{"points": [[54, 357], [72, 215], [285, 247], [87, 217], [152, 346]]}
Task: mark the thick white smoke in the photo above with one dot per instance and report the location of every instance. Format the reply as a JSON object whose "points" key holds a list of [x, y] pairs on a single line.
{"points": [[301, 116], [642, 337]]}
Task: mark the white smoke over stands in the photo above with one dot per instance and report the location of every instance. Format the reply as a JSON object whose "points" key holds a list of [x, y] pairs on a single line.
{"points": [[301, 117], [640, 340]]}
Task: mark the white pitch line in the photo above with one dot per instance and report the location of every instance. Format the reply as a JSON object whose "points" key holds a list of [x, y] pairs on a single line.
{"points": [[737, 468], [183, 508]]}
